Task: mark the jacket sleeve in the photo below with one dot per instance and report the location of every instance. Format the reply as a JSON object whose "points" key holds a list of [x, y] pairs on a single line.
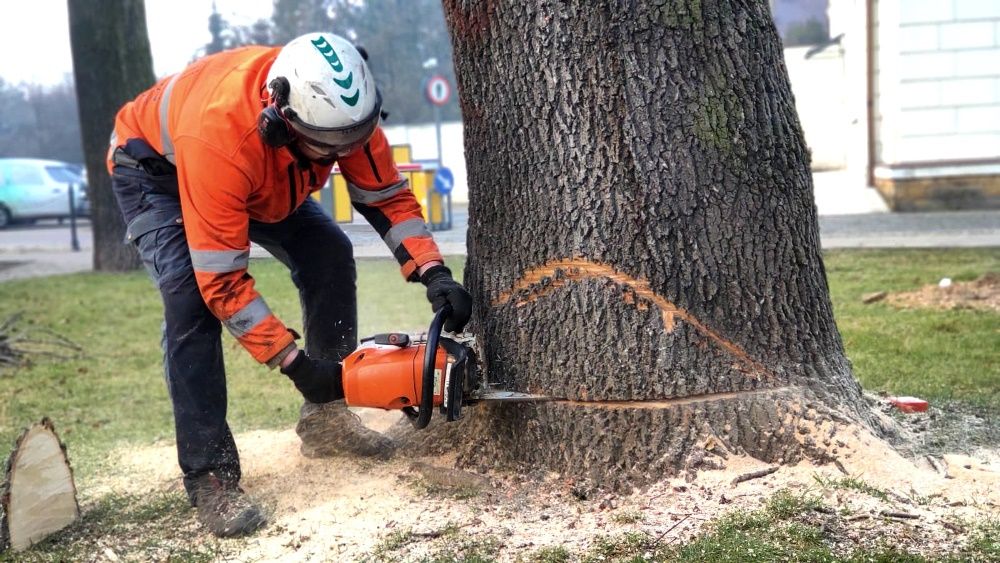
{"points": [[384, 198], [213, 194]]}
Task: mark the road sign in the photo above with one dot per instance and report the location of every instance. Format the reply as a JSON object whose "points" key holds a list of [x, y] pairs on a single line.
{"points": [[444, 181], [438, 90]]}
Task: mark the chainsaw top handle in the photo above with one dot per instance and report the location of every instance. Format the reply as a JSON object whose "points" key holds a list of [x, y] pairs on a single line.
{"points": [[426, 408]]}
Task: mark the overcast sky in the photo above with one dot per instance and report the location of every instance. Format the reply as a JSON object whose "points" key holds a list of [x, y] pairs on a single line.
{"points": [[34, 35]]}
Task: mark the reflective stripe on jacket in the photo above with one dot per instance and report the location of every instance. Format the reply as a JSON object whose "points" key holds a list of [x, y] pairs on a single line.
{"points": [[204, 120]]}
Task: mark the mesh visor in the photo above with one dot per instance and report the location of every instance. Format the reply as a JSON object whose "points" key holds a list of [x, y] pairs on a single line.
{"points": [[339, 141]]}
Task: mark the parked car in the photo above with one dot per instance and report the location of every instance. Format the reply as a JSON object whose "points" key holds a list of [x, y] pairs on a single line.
{"points": [[32, 188]]}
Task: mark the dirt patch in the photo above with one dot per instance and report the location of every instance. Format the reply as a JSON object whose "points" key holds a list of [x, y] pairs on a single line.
{"points": [[351, 509], [947, 427], [982, 293]]}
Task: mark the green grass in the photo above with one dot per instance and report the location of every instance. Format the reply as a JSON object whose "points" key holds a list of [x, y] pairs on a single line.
{"points": [[782, 530], [556, 554], [122, 524], [936, 355], [116, 395], [626, 517], [465, 549], [388, 547], [854, 484]]}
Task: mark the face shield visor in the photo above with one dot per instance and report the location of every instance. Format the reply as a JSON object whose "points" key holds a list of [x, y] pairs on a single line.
{"points": [[337, 141]]}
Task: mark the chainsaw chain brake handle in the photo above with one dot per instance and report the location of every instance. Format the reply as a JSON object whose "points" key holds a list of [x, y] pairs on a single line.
{"points": [[452, 404], [390, 339]]}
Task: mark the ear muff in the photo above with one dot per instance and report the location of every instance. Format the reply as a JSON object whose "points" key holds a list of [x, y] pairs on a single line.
{"points": [[274, 130]]}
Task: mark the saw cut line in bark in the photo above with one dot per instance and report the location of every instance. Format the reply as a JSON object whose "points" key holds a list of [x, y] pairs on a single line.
{"points": [[550, 276], [670, 403]]}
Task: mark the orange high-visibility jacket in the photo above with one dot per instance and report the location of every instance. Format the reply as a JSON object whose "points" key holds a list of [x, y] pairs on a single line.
{"points": [[204, 120]]}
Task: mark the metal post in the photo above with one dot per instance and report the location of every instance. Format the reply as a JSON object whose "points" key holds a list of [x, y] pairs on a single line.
{"points": [[448, 223], [74, 241], [437, 127]]}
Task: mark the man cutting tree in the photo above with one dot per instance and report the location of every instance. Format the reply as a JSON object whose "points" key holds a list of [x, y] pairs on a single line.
{"points": [[227, 152]]}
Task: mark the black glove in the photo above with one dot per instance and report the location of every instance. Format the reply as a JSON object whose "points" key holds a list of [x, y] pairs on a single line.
{"points": [[319, 381], [443, 290]]}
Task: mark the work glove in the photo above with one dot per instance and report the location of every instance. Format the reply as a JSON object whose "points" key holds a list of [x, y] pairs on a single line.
{"points": [[319, 381], [443, 290]]}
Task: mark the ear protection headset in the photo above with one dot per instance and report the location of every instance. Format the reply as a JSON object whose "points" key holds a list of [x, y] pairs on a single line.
{"points": [[272, 123]]}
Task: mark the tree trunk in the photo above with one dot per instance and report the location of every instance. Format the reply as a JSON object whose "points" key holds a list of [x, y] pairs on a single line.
{"points": [[111, 65], [643, 242]]}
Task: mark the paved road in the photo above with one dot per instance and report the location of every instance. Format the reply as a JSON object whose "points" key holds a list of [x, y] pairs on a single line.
{"points": [[911, 230], [29, 251]]}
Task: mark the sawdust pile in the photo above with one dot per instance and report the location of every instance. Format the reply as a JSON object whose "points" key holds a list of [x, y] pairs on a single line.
{"points": [[351, 509], [982, 293]]}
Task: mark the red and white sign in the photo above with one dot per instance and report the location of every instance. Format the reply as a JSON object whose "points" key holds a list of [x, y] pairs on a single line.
{"points": [[438, 90]]}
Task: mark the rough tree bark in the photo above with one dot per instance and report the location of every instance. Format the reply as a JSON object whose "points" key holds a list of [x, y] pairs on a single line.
{"points": [[111, 64], [643, 242]]}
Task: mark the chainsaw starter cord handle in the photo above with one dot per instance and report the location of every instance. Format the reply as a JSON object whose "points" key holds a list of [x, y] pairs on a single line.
{"points": [[426, 408]]}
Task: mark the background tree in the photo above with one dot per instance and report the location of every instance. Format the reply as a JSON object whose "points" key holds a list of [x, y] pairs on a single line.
{"points": [[40, 122], [643, 241], [112, 64], [400, 35], [226, 35], [810, 32]]}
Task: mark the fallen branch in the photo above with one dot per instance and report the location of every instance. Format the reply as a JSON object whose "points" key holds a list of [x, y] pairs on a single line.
{"points": [[670, 529], [953, 527], [18, 347], [901, 515], [450, 529], [754, 475]]}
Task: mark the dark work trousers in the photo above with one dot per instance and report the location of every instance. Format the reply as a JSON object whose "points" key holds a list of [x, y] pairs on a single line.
{"points": [[308, 242]]}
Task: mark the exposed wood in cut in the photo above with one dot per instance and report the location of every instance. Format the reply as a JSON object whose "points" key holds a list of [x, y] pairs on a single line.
{"points": [[669, 403], [38, 496]]}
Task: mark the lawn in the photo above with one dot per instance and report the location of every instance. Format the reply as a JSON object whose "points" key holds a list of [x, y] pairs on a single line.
{"points": [[114, 395], [938, 355]]}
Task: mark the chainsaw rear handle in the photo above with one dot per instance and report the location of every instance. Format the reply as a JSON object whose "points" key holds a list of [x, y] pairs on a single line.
{"points": [[426, 408]]}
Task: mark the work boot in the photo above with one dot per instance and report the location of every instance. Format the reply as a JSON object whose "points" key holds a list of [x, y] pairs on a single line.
{"points": [[224, 508], [331, 429]]}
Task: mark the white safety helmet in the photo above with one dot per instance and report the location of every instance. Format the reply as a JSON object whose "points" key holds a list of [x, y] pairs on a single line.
{"points": [[324, 93]]}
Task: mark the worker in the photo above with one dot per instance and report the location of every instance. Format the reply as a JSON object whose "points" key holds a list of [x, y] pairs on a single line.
{"points": [[227, 152]]}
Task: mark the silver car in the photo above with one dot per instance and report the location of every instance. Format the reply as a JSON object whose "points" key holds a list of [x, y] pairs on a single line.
{"points": [[32, 188]]}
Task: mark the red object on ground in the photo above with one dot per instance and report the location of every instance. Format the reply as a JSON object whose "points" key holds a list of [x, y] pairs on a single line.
{"points": [[909, 404]]}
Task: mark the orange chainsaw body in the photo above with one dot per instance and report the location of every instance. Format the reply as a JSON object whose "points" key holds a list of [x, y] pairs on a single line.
{"points": [[388, 377]]}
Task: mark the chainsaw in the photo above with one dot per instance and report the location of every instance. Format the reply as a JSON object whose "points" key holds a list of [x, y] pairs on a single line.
{"points": [[416, 373]]}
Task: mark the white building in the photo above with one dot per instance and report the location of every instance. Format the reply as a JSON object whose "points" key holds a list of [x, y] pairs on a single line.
{"points": [[929, 71], [907, 99]]}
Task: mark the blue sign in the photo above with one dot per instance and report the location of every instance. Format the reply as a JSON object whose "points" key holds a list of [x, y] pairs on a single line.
{"points": [[444, 181]]}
